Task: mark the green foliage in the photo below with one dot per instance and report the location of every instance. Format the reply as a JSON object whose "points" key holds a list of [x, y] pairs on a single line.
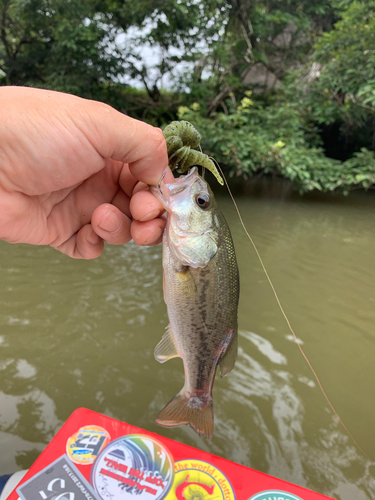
{"points": [[55, 44], [138, 104], [255, 139], [345, 89]]}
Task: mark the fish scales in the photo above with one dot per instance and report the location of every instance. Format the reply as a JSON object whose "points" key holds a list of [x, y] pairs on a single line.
{"points": [[201, 290]]}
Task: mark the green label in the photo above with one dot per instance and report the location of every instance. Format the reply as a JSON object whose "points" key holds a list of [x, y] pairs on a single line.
{"points": [[274, 495]]}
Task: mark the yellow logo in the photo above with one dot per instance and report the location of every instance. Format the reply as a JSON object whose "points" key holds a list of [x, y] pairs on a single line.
{"points": [[84, 446], [198, 480]]}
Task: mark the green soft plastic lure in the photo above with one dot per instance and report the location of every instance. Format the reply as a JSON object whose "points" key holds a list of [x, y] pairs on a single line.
{"points": [[181, 137]]}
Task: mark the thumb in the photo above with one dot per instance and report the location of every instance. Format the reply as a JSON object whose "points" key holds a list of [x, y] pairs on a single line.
{"points": [[117, 136], [110, 133]]}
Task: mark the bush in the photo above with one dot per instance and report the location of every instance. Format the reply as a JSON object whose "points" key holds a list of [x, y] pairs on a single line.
{"points": [[277, 139]]}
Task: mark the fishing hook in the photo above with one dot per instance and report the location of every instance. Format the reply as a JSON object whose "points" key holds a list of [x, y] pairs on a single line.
{"points": [[161, 180]]}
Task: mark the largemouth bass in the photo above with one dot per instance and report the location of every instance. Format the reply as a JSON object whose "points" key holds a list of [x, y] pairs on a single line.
{"points": [[201, 290]]}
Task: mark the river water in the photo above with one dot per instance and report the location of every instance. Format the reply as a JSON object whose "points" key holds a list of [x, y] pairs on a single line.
{"points": [[82, 334]]}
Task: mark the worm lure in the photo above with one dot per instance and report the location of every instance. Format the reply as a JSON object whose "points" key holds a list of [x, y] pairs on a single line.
{"points": [[181, 137]]}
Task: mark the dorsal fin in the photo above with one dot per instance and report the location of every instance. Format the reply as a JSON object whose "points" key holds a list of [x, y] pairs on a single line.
{"points": [[166, 348]]}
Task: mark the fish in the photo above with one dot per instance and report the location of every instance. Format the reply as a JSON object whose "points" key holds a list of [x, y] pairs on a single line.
{"points": [[201, 291]]}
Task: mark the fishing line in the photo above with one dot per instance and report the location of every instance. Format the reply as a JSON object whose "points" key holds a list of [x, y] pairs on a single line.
{"points": [[286, 318]]}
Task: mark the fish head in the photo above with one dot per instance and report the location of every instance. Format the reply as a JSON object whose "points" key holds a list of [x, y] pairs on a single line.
{"points": [[192, 229]]}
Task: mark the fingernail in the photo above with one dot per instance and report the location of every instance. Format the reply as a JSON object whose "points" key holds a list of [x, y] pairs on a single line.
{"points": [[110, 222], [154, 237], [93, 238], [150, 216]]}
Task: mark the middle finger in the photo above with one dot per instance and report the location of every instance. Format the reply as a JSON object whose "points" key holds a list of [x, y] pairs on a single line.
{"points": [[144, 206]]}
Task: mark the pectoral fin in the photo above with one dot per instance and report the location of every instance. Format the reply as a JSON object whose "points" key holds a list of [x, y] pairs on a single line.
{"points": [[166, 348], [197, 251]]}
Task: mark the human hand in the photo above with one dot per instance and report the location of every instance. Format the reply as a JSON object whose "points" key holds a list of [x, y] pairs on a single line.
{"points": [[68, 170]]}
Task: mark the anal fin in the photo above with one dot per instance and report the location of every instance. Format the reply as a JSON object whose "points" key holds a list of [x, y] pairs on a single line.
{"points": [[166, 348], [229, 357]]}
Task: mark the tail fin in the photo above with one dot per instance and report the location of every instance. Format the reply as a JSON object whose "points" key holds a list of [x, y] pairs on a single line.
{"points": [[195, 410]]}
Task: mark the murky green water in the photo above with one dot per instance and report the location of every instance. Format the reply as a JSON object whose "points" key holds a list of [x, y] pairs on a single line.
{"points": [[75, 333]]}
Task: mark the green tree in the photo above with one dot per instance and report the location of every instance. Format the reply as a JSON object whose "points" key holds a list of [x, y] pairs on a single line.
{"points": [[344, 90], [256, 38], [56, 44]]}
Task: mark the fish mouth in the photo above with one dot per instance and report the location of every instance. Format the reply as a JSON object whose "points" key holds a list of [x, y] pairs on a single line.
{"points": [[164, 192]]}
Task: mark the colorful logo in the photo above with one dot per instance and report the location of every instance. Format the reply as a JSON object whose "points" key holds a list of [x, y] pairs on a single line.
{"points": [[198, 480], [274, 495], [133, 465], [85, 445]]}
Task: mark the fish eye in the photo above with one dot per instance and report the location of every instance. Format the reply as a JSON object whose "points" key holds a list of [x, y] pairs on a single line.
{"points": [[203, 200]]}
